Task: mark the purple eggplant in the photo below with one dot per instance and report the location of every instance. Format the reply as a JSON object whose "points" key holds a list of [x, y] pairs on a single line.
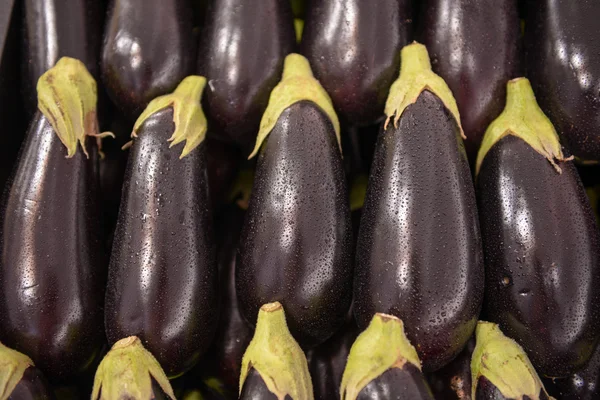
{"points": [[583, 384], [21, 379], [354, 49], [453, 382]]}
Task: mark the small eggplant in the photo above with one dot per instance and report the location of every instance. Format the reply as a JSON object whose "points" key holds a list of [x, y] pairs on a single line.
{"points": [[52, 263], [148, 49], [453, 382], [474, 46], [162, 280], [20, 379], [501, 370], [562, 47], [383, 364], [419, 253], [583, 384], [129, 371], [242, 48], [274, 366], [354, 49], [540, 237]]}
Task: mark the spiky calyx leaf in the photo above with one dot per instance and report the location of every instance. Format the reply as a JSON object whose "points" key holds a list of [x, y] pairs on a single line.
{"points": [[297, 83], [188, 116], [126, 372], [12, 367], [277, 357], [383, 345]]}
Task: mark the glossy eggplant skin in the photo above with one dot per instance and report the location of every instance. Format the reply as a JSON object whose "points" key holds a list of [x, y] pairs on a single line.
{"points": [[56, 28], [296, 243], [162, 281], [52, 263], [454, 380], [148, 49], [32, 386], [583, 384], [242, 47], [406, 383], [354, 51], [542, 256], [256, 389], [474, 46], [563, 62], [419, 253]]}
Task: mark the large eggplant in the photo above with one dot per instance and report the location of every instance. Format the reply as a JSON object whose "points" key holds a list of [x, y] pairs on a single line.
{"points": [[474, 46], [583, 384], [453, 382], [296, 242], [501, 370], [419, 253], [148, 49], [383, 364], [354, 49], [540, 238], [242, 47], [20, 379], [562, 49], [162, 280], [274, 366], [52, 265]]}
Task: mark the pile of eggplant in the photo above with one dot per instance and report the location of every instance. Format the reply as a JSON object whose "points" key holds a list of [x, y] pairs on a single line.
{"points": [[299, 199]]}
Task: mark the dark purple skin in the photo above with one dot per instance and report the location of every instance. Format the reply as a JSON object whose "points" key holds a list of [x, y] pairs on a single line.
{"points": [[148, 49], [223, 162], [354, 51], [256, 389], [406, 383], [32, 386], [542, 256], [486, 390], [583, 384], [474, 46], [162, 281], [419, 253], [52, 263], [563, 63], [453, 382], [242, 47], [299, 255]]}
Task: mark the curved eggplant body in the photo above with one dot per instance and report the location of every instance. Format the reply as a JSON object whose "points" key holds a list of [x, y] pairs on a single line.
{"points": [[542, 257], [256, 389], [57, 28], [296, 243], [454, 380], [419, 248], [354, 50], [397, 384], [563, 61], [162, 283], [242, 48], [52, 266], [148, 49], [474, 46], [583, 384], [32, 386]]}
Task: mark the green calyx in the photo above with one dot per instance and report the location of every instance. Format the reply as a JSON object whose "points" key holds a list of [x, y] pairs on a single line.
{"points": [[382, 346], [67, 97], [12, 367], [297, 83], [522, 117], [504, 363], [416, 76], [277, 357], [188, 116], [126, 372]]}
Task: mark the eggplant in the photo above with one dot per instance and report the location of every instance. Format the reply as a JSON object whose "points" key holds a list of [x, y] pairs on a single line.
{"points": [[148, 49], [58, 28], [474, 46], [419, 253], [500, 368], [354, 49], [20, 379], [52, 264], [274, 366], [162, 279], [540, 238], [583, 384], [454, 380], [296, 242], [563, 63], [223, 162], [383, 364], [129, 371], [242, 47]]}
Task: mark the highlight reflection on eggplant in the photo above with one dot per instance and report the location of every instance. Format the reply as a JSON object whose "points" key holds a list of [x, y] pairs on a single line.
{"points": [[583, 384]]}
